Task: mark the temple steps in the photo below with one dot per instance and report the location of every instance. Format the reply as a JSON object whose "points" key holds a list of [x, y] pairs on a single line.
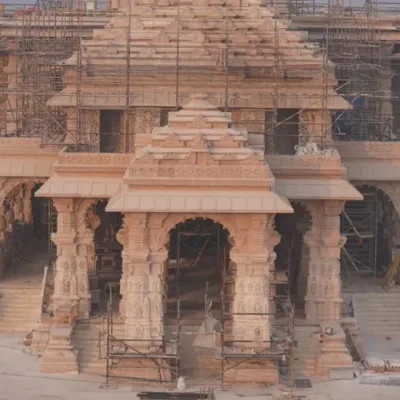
{"points": [[378, 313], [306, 352], [19, 308], [85, 339]]}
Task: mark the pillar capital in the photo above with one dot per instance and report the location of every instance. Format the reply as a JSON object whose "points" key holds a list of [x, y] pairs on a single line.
{"points": [[64, 205], [333, 208]]}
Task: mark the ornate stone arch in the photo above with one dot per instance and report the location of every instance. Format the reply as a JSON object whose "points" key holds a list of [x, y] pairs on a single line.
{"points": [[8, 184], [82, 206], [391, 189], [173, 219]]}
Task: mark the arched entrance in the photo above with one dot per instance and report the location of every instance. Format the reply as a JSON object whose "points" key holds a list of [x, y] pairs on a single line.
{"points": [[372, 230], [292, 253], [200, 289], [26, 227]]}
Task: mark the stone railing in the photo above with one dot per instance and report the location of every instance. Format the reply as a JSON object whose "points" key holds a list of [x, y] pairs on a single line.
{"points": [[43, 290]]}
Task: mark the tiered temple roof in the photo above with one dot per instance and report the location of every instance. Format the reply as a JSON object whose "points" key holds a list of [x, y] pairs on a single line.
{"points": [[206, 41], [204, 164]]}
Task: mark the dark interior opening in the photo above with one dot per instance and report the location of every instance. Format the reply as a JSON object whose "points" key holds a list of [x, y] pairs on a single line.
{"points": [[108, 252], [287, 131], [110, 138], [201, 247]]}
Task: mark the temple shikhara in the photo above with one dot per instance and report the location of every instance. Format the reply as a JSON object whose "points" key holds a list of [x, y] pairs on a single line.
{"points": [[200, 188]]}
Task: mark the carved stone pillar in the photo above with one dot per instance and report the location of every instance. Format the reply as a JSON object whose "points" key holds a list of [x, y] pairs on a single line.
{"points": [[127, 132], [85, 263], [142, 285], [303, 271], [251, 321], [323, 300], [18, 205], [302, 277], [127, 269], [27, 202], [315, 126], [66, 279]]}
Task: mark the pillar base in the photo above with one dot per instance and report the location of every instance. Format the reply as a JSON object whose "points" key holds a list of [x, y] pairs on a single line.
{"points": [[334, 352], [60, 355]]}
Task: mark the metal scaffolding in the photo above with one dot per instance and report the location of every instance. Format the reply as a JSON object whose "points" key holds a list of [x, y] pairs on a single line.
{"points": [[45, 36]]}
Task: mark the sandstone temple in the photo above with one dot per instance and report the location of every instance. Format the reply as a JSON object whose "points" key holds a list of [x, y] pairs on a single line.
{"points": [[200, 188]]}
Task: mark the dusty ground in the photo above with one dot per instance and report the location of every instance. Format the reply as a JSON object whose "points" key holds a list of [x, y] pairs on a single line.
{"points": [[20, 380]]}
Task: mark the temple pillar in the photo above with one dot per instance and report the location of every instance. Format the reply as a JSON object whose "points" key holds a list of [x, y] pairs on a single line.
{"points": [[315, 127], [85, 264], [303, 271], [142, 285], [18, 205], [27, 202], [75, 258], [253, 305], [323, 300], [65, 282], [251, 320]]}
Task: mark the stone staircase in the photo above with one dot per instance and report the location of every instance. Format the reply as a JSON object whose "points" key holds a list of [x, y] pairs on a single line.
{"points": [[85, 339], [19, 307], [378, 313], [305, 354]]}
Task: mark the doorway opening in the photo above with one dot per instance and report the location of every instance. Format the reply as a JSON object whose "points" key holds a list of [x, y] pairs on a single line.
{"points": [[292, 253], [110, 121], [105, 281], [199, 281], [28, 222]]}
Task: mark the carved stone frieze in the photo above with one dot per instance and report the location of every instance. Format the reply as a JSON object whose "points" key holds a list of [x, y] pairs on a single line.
{"points": [[199, 171], [105, 159]]}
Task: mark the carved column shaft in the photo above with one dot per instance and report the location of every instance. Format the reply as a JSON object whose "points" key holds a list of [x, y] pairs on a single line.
{"points": [[65, 284], [251, 303], [27, 202], [142, 284], [323, 300], [85, 259]]}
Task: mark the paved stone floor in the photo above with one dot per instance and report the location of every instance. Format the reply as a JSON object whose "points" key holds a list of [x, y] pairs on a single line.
{"points": [[20, 379]]}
